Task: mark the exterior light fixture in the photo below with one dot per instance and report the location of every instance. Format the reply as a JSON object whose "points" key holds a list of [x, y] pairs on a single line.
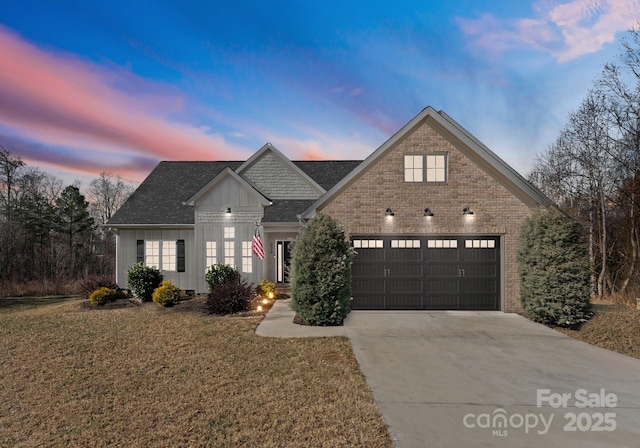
{"points": [[228, 212], [467, 211], [388, 213], [428, 212], [259, 308]]}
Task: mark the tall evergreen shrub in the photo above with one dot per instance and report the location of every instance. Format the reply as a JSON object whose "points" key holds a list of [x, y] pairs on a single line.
{"points": [[321, 272], [554, 269]]}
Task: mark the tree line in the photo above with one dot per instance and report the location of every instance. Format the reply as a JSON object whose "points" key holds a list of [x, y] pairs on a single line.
{"points": [[592, 171], [50, 233]]}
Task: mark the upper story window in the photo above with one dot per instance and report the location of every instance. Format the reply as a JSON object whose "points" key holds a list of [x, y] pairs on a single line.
{"points": [[425, 168]]}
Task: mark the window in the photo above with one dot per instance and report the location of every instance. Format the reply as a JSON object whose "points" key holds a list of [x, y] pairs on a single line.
{"points": [[229, 233], [425, 168], [480, 244], [402, 244], [368, 244], [169, 255], [210, 256], [442, 244], [247, 257], [229, 253], [436, 168], [152, 253], [413, 168], [164, 255]]}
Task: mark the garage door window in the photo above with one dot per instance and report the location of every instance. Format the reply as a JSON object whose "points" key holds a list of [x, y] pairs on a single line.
{"points": [[368, 244], [408, 244], [480, 244], [442, 244]]}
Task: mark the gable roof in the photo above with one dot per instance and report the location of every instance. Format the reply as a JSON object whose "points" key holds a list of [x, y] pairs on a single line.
{"points": [[163, 197], [228, 172], [463, 141]]}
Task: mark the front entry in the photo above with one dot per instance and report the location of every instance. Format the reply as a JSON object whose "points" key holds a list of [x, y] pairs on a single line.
{"points": [[429, 273], [283, 260]]}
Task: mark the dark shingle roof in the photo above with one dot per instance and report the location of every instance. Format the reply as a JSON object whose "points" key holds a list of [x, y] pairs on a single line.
{"points": [[159, 199]]}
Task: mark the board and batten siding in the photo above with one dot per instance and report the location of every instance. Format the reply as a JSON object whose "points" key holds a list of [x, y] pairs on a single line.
{"points": [[126, 248]]}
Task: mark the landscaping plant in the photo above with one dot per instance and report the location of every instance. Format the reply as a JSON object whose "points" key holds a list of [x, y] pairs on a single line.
{"points": [[89, 285], [321, 272], [219, 274], [143, 280], [233, 296], [102, 296], [554, 269], [266, 288], [167, 294]]}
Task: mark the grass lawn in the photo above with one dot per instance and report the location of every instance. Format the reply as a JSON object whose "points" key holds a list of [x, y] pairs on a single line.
{"points": [[147, 376], [614, 327]]}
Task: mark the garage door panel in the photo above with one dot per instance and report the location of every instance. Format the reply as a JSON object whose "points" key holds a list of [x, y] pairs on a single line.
{"points": [[479, 286], [478, 302], [441, 270], [367, 286], [403, 302], [437, 286], [442, 302], [404, 270], [481, 270], [404, 285], [370, 254], [367, 270], [369, 302], [448, 254]]}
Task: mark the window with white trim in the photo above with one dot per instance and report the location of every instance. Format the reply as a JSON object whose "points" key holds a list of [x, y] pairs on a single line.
{"points": [[229, 233], [229, 253], [169, 255], [210, 255], [247, 257], [152, 253]]}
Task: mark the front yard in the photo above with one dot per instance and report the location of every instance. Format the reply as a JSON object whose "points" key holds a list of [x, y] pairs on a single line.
{"points": [[148, 376]]}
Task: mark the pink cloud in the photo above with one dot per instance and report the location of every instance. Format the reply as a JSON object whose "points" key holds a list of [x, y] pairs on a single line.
{"points": [[566, 31], [61, 100]]}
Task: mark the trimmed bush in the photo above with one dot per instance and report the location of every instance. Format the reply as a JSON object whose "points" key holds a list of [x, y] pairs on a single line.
{"points": [[219, 274], [143, 280], [233, 296], [265, 288], [321, 272], [91, 284], [554, 269], [102, 296], [167, 294]]}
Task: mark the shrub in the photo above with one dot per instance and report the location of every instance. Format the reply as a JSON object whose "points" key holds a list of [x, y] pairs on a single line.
{"points": [[265, 288], [321, 272], [89, 285], [102, 296], [143, 280], [219, 274], [167, 294], [231, 297], [554, 269]]}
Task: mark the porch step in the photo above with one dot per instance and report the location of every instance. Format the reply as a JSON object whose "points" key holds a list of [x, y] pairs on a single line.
{"points": [[283, 291]]}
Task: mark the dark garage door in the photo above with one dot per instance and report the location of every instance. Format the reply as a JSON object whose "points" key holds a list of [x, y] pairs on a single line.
{"points": [[426, 273]]}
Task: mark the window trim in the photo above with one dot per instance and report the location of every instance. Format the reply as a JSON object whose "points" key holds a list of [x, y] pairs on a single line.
{"points": [[425, 169], [179, 255]]}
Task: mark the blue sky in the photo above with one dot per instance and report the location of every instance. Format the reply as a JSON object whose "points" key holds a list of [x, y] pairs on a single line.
{"points": [[92, 86]]}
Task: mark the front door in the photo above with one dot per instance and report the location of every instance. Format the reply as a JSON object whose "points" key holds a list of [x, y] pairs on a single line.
{"points": [[283, 259]]}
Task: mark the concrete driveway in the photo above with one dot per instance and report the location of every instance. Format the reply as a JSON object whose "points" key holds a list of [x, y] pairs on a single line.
{"points": [[476, 379]]}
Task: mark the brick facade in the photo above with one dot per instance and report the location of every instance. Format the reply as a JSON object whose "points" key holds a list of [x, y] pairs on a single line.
{"points": [[361, 206]]}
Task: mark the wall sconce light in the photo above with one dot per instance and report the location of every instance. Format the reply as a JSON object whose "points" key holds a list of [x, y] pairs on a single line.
{"points": [[388, 213], [467, 211], [228, 212], [428, 212]]}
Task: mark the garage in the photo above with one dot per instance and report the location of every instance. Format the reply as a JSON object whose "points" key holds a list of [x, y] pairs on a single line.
{"points": [[426, 273]]}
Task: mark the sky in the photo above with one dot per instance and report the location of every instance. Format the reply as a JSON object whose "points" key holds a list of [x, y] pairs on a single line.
{"points": [[117, 86]]}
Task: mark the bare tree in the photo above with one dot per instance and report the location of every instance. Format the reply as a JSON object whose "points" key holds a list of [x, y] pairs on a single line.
{"points": [[107, 193]]}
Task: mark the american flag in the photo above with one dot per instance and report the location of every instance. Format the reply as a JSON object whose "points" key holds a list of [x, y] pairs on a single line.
{"points": [[256, 246]]}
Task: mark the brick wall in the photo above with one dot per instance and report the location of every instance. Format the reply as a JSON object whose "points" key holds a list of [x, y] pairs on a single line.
{"points": [[361, 207]]}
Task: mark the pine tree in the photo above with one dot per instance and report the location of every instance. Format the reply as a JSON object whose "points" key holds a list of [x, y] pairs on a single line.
{"points": [[73, 220], [554, 269], [321, 272]]}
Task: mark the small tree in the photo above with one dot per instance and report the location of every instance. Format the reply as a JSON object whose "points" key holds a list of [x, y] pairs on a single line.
{"points": [[554, 269], [143, 280], [321, 272]]}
